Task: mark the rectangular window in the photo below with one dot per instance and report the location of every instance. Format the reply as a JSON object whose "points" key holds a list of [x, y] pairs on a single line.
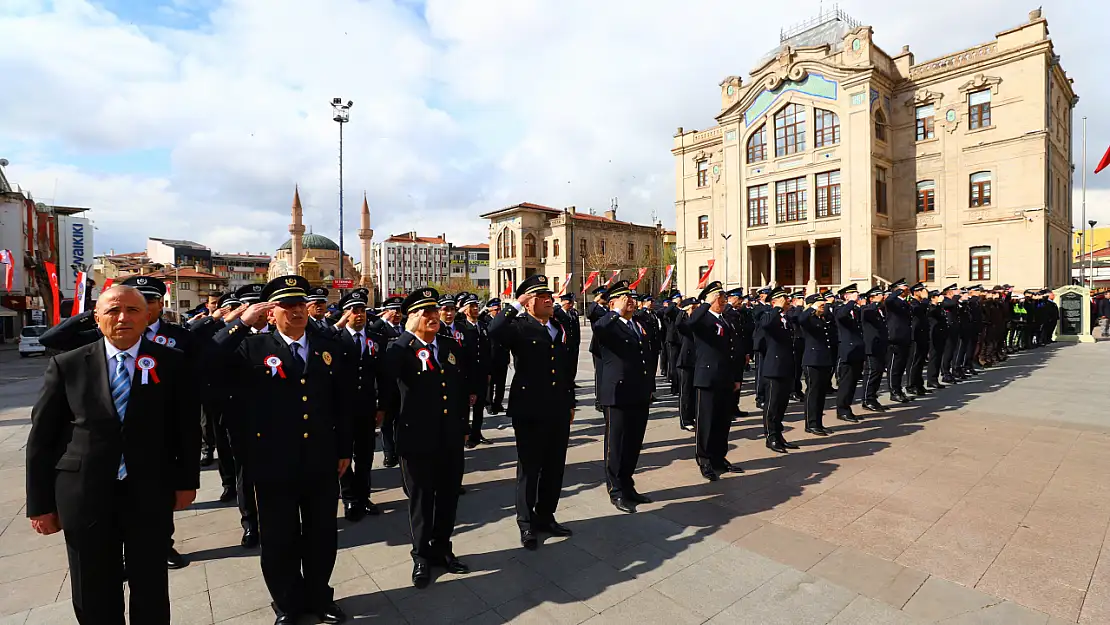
{"points": [[926, 196], [757, 205], [979, 109], [880, 191], [790, 200], [924, 122], [631, 251], [828, 194], [826, 128], [790, 130], [555, 284], [703, 227], [545, 248], [980, 189], [556, 247], [601, 246], [703, 173], [981, 263], [926, 266], [583, 249]]}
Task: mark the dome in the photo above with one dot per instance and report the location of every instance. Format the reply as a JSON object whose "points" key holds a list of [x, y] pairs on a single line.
{"points": [[312, 241]]}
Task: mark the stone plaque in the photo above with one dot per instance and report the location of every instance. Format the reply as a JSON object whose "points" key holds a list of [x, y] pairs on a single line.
{"points": [[1071, 314]]}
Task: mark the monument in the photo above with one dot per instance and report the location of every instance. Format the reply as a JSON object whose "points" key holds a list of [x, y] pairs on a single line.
{"points": [[1075, 312]]}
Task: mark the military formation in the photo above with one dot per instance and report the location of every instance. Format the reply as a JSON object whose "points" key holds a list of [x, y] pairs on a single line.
{"points": [[290, 397]]}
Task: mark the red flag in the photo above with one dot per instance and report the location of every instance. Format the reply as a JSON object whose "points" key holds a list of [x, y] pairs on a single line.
{"points": [[616, 274], [667, 280], [563, 289], [107, 284], [9, 268], [705, 276], [589, 280], [52, 270], [508, 289], [643, 271], [1104, 162], [79, 293]]}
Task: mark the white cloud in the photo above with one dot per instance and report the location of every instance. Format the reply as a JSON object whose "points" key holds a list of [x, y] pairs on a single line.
{"points": [[479, 105]]}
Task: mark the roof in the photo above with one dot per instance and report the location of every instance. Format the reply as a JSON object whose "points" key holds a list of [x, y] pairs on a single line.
{"points": [[180, 243], [479, 246], [522, 206], [406, 238], [257, 257], [180, 273], [312, 241], [828, 28]]}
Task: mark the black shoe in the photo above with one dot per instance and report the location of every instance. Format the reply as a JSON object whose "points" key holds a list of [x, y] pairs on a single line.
{"points": [[850, 418], [372, 509], [454, 565], [484, 441], [206, 458], [421, 574], [708, 473], [934, 385], [174, 560], [635, 497], [598, 407], [872, 405], [493, 410], [689, 427], [331, 614], [462, 490], [899, 398], [787, 444], [228, 494], [913, 392], [797, 396], [554, 528], [731, 468], [286, 619], [390, 461], [760, 404], [624, 506], [739, 414], [528, 540], [817, 431], [775, 445], [354, 512], [250, 539], [471, 444]]}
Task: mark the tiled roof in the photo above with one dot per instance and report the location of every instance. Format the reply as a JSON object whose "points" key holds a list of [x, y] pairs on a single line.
{"points": [[181, 273], [418, 239]]}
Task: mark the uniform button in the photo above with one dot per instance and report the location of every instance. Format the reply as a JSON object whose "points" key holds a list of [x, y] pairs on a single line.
{"points": [[523, 387], [302, 380], [259, 435], [360, 368], [444, 384], [552, 371], [306, 434], [306, 417], [444, 398], [552, 384], [444, 411], [305, 398], [359, 388]]}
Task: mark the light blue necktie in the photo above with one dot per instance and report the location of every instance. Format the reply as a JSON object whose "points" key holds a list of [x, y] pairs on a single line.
{"points": [[121, 390]]}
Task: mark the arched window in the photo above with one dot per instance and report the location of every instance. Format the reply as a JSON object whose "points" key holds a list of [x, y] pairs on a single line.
{"points": [[926, 196], [790, 130], [501, 244], [512, 243], [826, 130], [529, 246], [757, 145], [880, 124]]}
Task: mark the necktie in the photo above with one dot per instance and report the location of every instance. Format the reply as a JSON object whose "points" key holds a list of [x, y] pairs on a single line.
{"points": [[149, 334], [121, 391], [635, 330], [298, 361], [361, 344]]}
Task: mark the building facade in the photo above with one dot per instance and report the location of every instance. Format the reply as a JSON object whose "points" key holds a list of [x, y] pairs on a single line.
{"points": [[186, 288], [835, 162], [408, 261], [313, 256], [527, 239], [179, 253], [471, 262], [241, 269]]}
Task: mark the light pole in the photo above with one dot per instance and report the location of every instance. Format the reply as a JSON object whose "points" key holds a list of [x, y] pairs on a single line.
{"points": [[1091, 262], [1084, 200], [726, 237], [341, 113]]}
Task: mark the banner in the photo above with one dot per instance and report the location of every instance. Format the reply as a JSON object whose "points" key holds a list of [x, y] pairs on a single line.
{"points": [[639, 277], [9, 268], [52, 271], [667, 280], [107, 284], [612, 278], [79, 293], [563, 289], [589, 281], [508, 292], [705, 276]]}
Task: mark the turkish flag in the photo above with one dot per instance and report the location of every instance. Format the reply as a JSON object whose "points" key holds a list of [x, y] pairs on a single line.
{"points": [[1104, 162], [52, 270], [705, 276], [643, 272], [8, 261], [79, 293], [590, 280], [612, 278]]}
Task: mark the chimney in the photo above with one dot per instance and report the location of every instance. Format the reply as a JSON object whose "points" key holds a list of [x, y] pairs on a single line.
{"points": [[573, 210], [610, 214]]}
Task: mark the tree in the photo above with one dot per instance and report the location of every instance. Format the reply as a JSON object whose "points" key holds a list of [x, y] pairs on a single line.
{"points": [[454, 286]]}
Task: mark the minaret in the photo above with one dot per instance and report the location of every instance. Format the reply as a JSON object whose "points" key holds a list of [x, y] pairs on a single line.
{"points": [[296, 231], [365, 234]]}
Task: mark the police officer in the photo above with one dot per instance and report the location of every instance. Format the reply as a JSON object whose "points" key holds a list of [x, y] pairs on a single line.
{"points": [[717, 374], [300, 409], [431, 399], [541, 405], [478, 335], [901, 339], [389, 328], [626, 356], [318, 310], [778, 367], [919, 333], [950, 305], [684, 362], [817, 328], [364, 350], [850, 351], [596, 310], [797, 305], [674, 340], [499, 366], [573, 326], [759, 345], [215, 394], [875, 343], [938, 338], [740, 318]]}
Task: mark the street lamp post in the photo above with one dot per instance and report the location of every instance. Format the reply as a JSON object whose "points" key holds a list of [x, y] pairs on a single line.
{"points": [[1091, 261], [341, 113], [726, 237]]}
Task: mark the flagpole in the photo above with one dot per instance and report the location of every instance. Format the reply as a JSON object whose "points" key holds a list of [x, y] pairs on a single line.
{"points": [[1083, 223]]}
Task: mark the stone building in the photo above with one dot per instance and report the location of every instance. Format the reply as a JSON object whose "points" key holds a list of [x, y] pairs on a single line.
{"points": [[408, 261], [314, 256], [527, 239], [836, 162]]}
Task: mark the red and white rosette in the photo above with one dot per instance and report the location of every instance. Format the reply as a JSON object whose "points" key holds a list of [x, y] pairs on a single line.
{"points": [[458, 337], [371, 346], [425, 357], [274, 363], [147, 367], [159, 339]]}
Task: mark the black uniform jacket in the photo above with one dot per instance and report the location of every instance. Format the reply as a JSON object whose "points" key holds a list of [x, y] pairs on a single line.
{"points": [[849, 320], [366, 371], [482, 365], [467, 340], [543, 382], [687, 352], [875, 333], [899, 320], [778, 339], [919, 324], [625, 380], [431, 401], [718, 361], [77, 438], [938, 325], [818, 331], [293, 422], [744, 326], [572, 325]]}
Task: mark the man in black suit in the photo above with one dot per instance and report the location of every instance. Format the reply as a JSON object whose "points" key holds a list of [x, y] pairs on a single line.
{"points": [[365, 349], [817, 328], [683, 365], [215, 394], [596, 310], [388, 327], [499, 365], [299, 384], [850, 352], [479, 376], [114, 494], [541, 405], [875, 344], [625, 347], [759, 345], [573, 325], [778, 367], [739, 318], [674, 340], [938, 338], [919, 332], [717, 374], [949, 365], [900, 333], [430, 396]]}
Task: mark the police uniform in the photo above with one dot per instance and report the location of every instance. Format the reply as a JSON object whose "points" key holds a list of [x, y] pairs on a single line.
{"points": [[477, 339], [573, 326], [778, 370], [674, 340], [876, 341], [499, 366], [684, 363], [919, 333], [541, 408], [949, 369], [214, 396], [850, 352], [594, 311], [899, 316], [938, 338], [429, 397], [719, 367], [364, 349], [322, 323], [388, 332], [626, 356], [818, 356], [759, 346], [298, 404]]}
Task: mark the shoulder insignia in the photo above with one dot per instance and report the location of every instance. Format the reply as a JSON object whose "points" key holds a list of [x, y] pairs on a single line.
{"points": [[451, 358], [327, 358]]}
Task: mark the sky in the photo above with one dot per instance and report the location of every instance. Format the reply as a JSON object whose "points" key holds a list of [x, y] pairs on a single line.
{"points": [[195, 119]]}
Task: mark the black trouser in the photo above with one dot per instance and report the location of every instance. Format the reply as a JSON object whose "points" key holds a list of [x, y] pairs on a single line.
{"points": [[760, 386], [778, 396], [389, 436], [961, 353], [432, 483], [847, 381], [687, 397], [736, 393], [950, 345], [244, 493], [713, 421], [355, 482], [919, 352], [208, 425], [624, 437], [541, 449], [675, 372], [131, 525], [969, 348], [477, 413], [799, 351], [664, 358], [899, 358], [225, 457], [573, 359], [872, 376], [298, 532], [936, 356], [495, 396], [817, 379], [598, 364]]}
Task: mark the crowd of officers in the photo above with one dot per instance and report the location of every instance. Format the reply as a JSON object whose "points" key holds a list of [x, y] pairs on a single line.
{"points": [[292, 394]]}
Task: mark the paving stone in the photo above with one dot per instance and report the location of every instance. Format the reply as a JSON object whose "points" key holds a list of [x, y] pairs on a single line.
{"points": [[60, 613], [790, 598], [547, 604], [788, 546], [719, 580], [862, 573], [30, 592], [645, 608], [601, 586], [238, 598], [867, 611], [362, 600], [939, 599], [191, 610], [496, 586], [450, 602], [1005, 613]]}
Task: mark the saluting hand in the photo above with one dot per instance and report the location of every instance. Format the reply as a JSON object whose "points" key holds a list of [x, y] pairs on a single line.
{"points": [[524, 299], [344, 463], [255, 312], [46, 524], [473, 399], [183, 499]]}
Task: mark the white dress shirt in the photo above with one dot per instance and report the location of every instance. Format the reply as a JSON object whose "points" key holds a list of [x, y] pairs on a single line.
{"points": [[432, 347], [361, 341], [152, 329], [110, 351], [303, 342]]}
